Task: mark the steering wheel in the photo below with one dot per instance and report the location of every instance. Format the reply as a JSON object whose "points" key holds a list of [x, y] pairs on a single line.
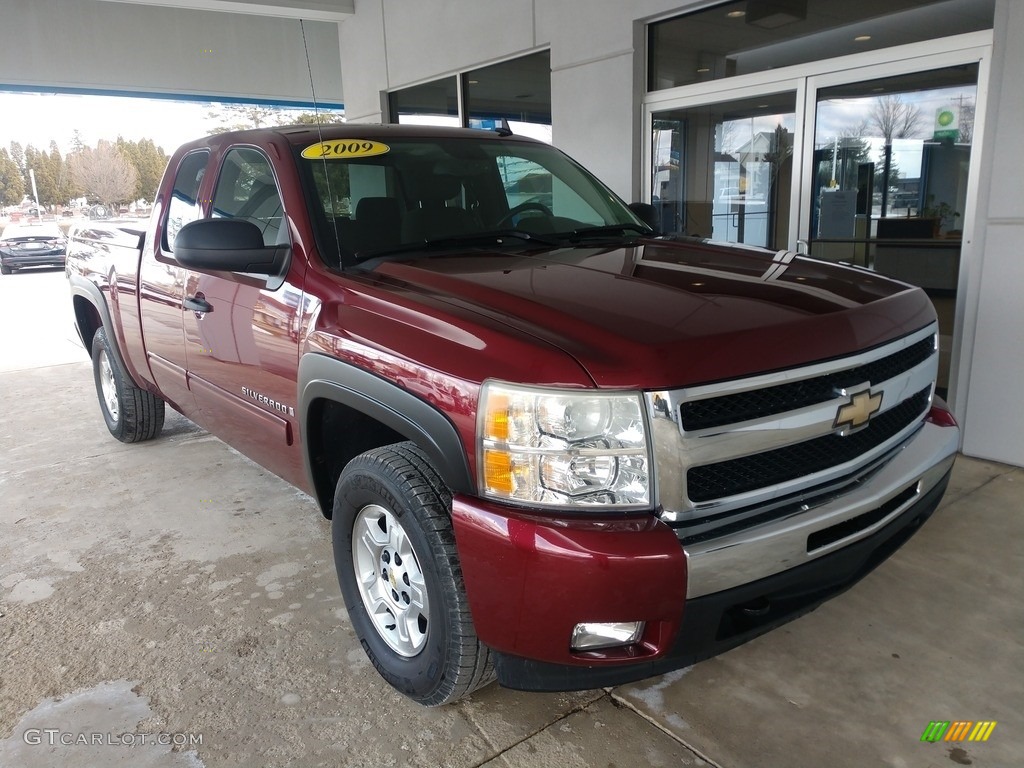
{"points": [[530, 205]]}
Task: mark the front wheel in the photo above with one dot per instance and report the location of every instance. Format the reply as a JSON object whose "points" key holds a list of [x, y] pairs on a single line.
{"points": [[5, 270], [398, 569], [131, 414]]}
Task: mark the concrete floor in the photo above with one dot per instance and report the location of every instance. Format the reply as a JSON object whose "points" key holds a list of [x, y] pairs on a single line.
{"points": [[176, 588]]}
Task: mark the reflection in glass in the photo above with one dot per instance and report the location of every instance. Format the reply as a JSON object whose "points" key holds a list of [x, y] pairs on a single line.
{"points": [[723, 170], [518, 91], [745, 36], [435, 103], [889, 185]]}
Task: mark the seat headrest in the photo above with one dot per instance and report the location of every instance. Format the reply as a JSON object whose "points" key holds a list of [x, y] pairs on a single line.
{"points": [[436, 188], [377, 208]]}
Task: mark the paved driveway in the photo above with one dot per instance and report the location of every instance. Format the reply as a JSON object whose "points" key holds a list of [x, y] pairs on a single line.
{"points": [[174, 588]]}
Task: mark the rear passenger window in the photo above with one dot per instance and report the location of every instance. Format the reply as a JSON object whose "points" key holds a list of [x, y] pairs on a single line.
{"points": [[247, 190], [184, 204]]}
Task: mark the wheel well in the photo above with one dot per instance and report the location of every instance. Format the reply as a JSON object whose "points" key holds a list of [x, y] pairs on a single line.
{"points": [[338, 433], [87, 319]]}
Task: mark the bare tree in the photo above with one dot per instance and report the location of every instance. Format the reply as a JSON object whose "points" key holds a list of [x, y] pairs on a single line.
{"points": [[895, 118], [966, 121], [103, 173]]}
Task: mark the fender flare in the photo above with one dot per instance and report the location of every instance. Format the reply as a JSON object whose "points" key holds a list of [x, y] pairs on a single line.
{"points": [[323, 377], [87, 289]]}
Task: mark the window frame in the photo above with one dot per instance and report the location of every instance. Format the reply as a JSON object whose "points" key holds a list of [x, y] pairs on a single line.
{"points": [[166, 243]]}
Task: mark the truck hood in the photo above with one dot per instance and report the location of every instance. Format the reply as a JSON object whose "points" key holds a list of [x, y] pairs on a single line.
{"points": [[666, 314]]}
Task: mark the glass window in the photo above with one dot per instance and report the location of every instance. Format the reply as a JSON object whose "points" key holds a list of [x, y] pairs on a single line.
{"points": [[518, 91], [435, 103], [724, 170], [745, 36], [183, 206], [247, 190], [889, 183], [424, 194], [531, 190]]}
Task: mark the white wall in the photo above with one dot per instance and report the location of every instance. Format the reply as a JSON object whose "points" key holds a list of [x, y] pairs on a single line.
{"points": [[96, 45], [595, 64], [992, 359]]}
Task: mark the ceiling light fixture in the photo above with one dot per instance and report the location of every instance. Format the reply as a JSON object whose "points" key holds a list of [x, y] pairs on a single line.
{"points": [[862, 38], [736, 14]]}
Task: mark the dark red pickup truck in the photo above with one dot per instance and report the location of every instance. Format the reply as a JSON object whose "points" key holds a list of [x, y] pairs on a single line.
{"points": [[556, 448]]}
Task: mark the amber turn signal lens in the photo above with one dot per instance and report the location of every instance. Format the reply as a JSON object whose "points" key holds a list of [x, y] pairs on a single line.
{"points": [[498, 471], [497, 418]]}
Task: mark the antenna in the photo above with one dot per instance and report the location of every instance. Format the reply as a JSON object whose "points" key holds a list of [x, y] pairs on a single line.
{"points": [[320, 136]]}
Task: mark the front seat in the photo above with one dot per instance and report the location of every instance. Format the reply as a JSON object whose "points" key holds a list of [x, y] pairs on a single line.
{"points": [[378, 223], [435, 219]]}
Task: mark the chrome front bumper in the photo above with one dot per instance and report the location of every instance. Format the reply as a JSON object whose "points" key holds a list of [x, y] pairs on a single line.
{"points": [[754, 553]]}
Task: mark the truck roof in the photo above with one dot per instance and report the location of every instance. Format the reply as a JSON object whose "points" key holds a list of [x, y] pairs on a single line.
{"points": [[303, 135]]}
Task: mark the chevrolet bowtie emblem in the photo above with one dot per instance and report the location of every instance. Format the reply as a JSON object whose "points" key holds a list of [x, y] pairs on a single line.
{"points": [[858, 412]]}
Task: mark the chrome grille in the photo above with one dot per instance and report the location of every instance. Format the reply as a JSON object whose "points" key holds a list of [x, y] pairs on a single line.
{"points": [[727, 452], [730, 409], [747, 473]]}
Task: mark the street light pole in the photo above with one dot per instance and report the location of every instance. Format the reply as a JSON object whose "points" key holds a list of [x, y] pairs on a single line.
{"points": [[35, 194]]}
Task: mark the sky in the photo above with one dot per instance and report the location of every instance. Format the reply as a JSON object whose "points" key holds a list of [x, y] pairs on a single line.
{"points": [[38, 118]]}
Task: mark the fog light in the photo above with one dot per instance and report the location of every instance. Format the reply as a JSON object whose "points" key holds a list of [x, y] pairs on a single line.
{"points": [[593, 635]]}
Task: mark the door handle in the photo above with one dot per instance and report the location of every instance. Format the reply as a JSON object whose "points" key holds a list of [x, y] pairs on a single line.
{"points": [[197, 304]]}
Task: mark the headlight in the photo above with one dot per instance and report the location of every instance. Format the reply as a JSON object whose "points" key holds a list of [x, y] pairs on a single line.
{"points": [[559, 448]]}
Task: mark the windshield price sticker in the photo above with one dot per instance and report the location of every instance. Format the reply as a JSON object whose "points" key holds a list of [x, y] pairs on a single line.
{"points": [[344, 149]]}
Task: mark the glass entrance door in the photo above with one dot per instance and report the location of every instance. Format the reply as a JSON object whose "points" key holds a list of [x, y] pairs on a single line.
{"points": [[725, 170], [868, 164], [889, 180]]}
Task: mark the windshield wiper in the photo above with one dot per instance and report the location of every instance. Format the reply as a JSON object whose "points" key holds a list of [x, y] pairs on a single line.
{"points": [[481, 239], [610, 230]]}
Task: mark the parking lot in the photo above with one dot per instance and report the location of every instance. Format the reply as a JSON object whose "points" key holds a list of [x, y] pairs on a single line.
{"points": [[176, 588]]}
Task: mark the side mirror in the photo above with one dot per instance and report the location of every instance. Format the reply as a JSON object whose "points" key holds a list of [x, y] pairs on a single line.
{"points": [[648, 214], [228, 245]]}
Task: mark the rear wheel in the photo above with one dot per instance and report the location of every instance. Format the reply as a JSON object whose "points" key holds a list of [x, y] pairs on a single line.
{"points": [[131, 414], [398, 569]]}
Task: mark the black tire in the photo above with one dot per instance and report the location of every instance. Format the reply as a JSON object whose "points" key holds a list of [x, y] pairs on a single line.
{"points": [[132, 414], [5, 270], [443, 659]]}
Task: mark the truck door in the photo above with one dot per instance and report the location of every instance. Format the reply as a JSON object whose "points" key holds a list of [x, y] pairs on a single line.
{"points": [[241, 331], [162, 285]]}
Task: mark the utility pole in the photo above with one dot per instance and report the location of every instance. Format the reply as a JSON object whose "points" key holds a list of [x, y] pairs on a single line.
{"points": [[35, 194]]}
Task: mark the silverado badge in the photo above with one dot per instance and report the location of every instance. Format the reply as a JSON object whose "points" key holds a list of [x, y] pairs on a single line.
{"points": [[856, 413]]}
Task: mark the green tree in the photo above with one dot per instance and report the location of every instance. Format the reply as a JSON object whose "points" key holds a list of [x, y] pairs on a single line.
{"points": [[12, 185], [47, 175], [18, 156], [149, 162], [65, 185]]}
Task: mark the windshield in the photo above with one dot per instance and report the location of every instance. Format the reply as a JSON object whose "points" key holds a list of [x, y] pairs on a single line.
{"points": [[372, 198]]}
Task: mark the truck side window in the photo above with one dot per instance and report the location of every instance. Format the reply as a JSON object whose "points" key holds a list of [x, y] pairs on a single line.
{"points": [[184, 204], [247, 190]]}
